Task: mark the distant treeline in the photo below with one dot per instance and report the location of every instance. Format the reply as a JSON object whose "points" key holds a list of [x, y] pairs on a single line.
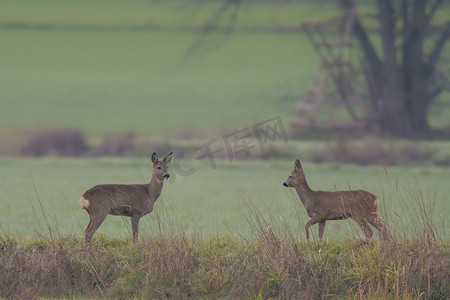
{"points": [[361, 151]]}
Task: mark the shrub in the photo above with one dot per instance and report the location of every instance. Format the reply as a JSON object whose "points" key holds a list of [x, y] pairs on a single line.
{"points": [[117, 145], [372, 151], [54, 142]]}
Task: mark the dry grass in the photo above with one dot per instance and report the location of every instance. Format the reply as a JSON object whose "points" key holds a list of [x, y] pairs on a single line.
{"points": [[274, 263], [179, 267]]}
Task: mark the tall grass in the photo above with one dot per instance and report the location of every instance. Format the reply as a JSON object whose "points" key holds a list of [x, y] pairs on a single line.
{"points": [[413, 263], [274, 262]]}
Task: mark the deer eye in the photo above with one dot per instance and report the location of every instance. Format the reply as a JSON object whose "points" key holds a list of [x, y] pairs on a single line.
{"points": [[159, 168]]}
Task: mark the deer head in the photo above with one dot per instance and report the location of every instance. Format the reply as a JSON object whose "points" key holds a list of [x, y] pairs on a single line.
{"points": [[160, 168], [296, 177]]}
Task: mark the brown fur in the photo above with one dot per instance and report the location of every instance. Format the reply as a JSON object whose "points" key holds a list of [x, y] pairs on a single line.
{"points": [[321, 206], [131, 200]]}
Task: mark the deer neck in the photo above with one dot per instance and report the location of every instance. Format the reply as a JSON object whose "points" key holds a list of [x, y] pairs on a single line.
{"points": [[155, 187], [304, 192]]}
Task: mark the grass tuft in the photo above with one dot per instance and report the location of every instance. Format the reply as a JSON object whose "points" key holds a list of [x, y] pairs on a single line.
{"points": [[178, 268]]}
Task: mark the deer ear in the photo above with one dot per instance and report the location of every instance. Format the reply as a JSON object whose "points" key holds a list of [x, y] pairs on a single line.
{"points": [[168, 158], [297, 165], [154, 158]]}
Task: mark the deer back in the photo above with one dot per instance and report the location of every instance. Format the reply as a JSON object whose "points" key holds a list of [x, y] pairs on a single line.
{"points": [[121, 199]]}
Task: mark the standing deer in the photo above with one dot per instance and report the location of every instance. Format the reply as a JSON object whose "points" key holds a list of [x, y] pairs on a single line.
{"points": [[321, 206], [131, 200]]}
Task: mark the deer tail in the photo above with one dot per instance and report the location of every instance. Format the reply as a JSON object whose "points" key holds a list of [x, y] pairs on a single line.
{"points": [[375, 203], [84, 203]]}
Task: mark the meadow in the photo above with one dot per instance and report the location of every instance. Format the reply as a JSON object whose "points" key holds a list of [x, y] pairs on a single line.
{"points": [[42, 193], [108, 67], [74, 72], [147, 67], [216, 227]]}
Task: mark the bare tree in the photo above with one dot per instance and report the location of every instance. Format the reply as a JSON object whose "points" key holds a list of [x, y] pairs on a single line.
{"points": [[402, 77], [402, 72]]}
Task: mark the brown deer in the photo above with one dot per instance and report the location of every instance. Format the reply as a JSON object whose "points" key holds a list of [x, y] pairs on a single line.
{"points": [[321, 206], [131, 200]]}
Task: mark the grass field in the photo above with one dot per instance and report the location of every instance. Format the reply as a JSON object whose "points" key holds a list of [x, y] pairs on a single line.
{"points": [[210, 201], [112, 66], [102, 77], [230, 232], [102, 66], [119, 81], [173, 14]]}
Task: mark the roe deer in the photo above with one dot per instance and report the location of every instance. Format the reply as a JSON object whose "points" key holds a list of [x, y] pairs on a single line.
{"points": [[131, 200], [321, 206]]}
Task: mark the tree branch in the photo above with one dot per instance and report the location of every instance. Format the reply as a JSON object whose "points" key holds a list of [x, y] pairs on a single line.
{"points": [[439, 46], [405, 16], [211, 25], [419, 15], [433, 9], [387, 25], [413, 38], [367, 47]]}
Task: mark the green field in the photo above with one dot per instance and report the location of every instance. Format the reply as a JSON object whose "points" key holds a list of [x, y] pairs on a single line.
{"points": [[159, 14], [210, 202], [87, 68], [103, 66], [108, 67], [119, 81]]}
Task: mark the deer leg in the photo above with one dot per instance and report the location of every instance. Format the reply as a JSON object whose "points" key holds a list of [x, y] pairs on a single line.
{"points": [[366, 229], [94, 222], [135, 227], [321, 228], [376, 222], [90, 222], [315, 219], [88, 239]]}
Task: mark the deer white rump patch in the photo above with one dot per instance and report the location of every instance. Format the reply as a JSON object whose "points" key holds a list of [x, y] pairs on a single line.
{"points": [[84, 203]]}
